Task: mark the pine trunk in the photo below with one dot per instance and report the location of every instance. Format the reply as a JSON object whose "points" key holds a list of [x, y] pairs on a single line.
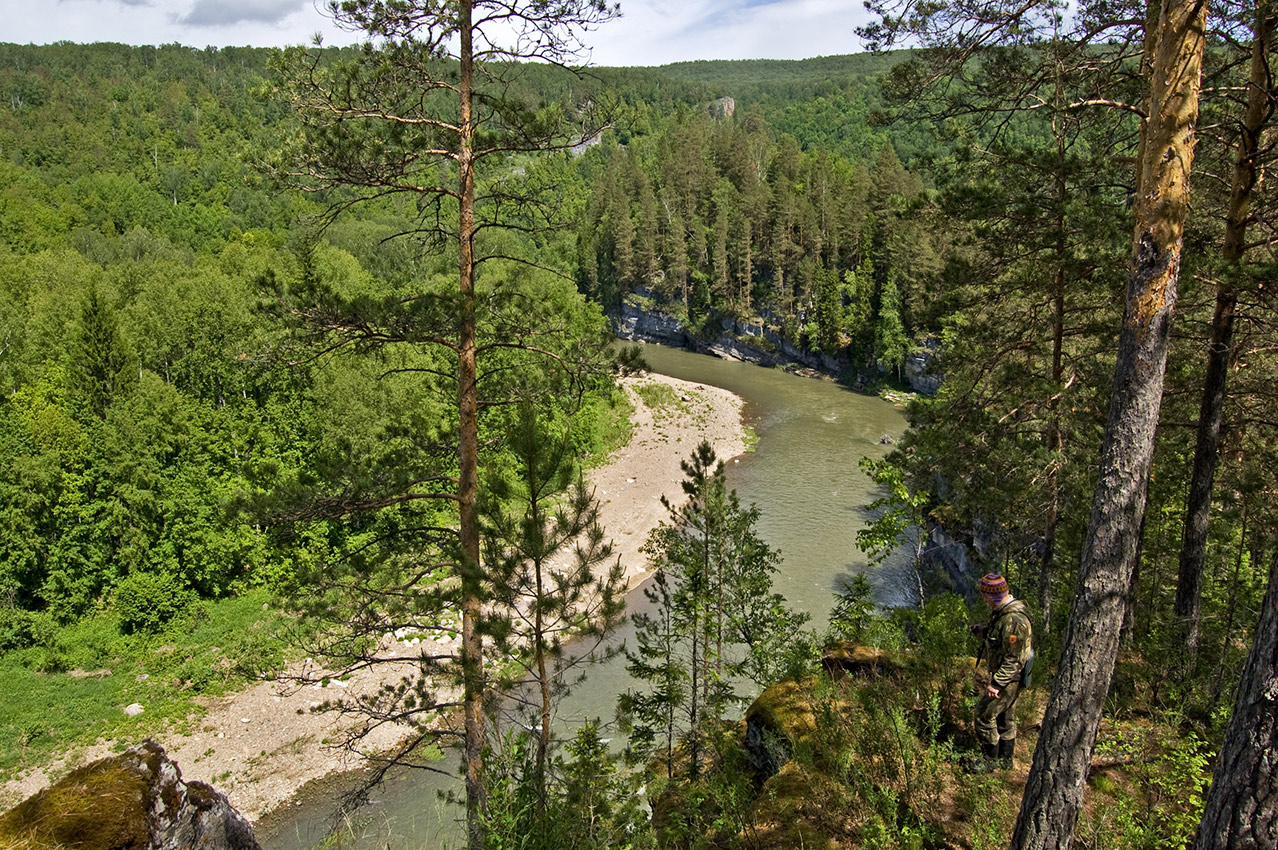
{"points": [[1241, 812], [1054, 790], [1189, 585], [472, 654]]}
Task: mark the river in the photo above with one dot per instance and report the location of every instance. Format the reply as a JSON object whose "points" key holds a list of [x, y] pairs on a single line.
{"points": [[805, 480]]}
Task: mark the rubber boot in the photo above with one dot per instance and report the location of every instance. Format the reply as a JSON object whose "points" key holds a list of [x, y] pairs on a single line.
{"points": [[1006, 753], [986, 762]]}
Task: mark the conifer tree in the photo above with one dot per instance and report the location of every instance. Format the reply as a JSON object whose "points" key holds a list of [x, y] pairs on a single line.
{"points": [[423, 106], [890, 339], [716, 617], [548, 565], [102, 365]]}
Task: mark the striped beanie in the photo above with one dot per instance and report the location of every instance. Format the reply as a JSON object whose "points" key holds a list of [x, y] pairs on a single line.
{"points": [[993, 586]]}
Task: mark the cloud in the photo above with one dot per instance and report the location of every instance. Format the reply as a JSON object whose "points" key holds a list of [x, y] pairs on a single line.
{"points": [[222, 13]]}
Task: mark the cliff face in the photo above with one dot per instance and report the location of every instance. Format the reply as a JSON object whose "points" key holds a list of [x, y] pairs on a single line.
{"points": [[134, 801], [753, 342]]}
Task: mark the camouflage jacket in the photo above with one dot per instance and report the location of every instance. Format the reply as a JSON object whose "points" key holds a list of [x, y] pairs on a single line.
{"points": [[1008, 643]]}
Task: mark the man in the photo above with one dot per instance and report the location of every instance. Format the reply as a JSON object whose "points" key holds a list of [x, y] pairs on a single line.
{"points": [[1008, 650]]}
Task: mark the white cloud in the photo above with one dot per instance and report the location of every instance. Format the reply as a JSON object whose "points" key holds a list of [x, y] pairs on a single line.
{"points": [[221, 13], [657, 32]]}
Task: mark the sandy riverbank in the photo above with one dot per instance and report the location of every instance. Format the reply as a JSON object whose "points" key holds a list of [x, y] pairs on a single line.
{"points": [[262, 744]]}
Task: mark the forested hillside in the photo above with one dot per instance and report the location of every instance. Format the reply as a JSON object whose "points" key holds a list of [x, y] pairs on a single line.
{"points": [[166, 417], [144, 235]]}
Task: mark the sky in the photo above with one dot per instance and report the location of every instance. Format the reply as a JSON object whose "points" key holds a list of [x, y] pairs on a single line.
{"points": [[650, 32]]}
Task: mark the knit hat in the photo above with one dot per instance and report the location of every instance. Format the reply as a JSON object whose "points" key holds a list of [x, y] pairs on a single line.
{"points": [[993, 586]]}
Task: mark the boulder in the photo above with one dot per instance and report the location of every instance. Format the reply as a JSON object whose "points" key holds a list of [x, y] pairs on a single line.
{"points": [[848, 658], [134, 801]]}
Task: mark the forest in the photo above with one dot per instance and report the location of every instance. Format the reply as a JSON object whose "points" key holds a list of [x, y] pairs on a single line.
{"points": [[300, 348]]}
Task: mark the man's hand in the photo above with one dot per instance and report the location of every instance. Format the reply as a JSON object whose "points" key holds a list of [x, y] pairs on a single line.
{"points": [[991, 691], [977, 630]]}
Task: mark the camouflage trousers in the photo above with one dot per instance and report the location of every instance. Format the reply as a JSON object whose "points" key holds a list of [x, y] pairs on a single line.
{"points": [[996, 718]]}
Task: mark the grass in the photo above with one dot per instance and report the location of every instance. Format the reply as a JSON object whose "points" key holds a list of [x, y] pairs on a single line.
{"points": [[658, 396], [73, 692]]}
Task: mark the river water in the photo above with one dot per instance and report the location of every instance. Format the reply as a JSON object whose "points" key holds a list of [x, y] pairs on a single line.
{"points": [[805, 479]]}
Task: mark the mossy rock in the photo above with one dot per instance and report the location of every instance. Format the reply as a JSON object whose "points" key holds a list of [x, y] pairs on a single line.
{"points": [[848, 658], [788, 812], [102, 806], [786, 709], [134, 801]]}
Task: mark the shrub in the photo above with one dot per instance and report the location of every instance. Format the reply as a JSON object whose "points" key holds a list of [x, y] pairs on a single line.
{"points": [[20, 629], [146, 602]]}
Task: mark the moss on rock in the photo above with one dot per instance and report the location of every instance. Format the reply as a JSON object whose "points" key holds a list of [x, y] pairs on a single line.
{"points": [[102, 806], [133, 801]]}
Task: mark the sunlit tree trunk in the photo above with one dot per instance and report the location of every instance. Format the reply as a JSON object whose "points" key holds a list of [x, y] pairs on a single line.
{"points": [[1054, 789]]}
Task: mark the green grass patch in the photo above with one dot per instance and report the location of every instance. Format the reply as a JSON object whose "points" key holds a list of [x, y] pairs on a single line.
{"points": [[657, 396], [72, 690], [750, 437]]}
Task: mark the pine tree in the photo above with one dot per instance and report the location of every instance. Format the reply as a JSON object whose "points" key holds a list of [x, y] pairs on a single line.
{"points": [[716, 617], [420, 109], [548, 566], [890, 338]]}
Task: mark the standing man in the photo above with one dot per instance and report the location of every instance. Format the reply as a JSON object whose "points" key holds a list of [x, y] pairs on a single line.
{"points": [[1009, 653]]}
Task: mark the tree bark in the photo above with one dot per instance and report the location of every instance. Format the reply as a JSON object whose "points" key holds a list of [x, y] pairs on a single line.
{"points": [[1189, 584], [472, 650], [1241, 812], [1047, 570], [1054, 789]]}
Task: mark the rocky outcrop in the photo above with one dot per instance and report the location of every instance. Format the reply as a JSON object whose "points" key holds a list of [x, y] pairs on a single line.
{"points": [[133, 801], [755, 342], [636, 323], [919, 368], [723, 108], [950, 559], [749, 342]]}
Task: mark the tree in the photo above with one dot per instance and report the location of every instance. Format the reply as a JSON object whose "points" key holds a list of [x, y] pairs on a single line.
{"points": [[384, 124], [653, 715], [536, 520], [858, 286], [1006, 39], [1054, 789], [102, 366], [718, 618], [901, 518], [828, 311], [1241, 810], [890, 339], [1260, 102]]}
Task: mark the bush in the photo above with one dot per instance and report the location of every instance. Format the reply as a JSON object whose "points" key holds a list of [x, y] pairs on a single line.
{"points": [[146, 602], [21, 629]]}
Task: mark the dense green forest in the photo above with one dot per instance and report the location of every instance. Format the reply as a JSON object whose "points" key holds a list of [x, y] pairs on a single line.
{"points": [[232, 340]]}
